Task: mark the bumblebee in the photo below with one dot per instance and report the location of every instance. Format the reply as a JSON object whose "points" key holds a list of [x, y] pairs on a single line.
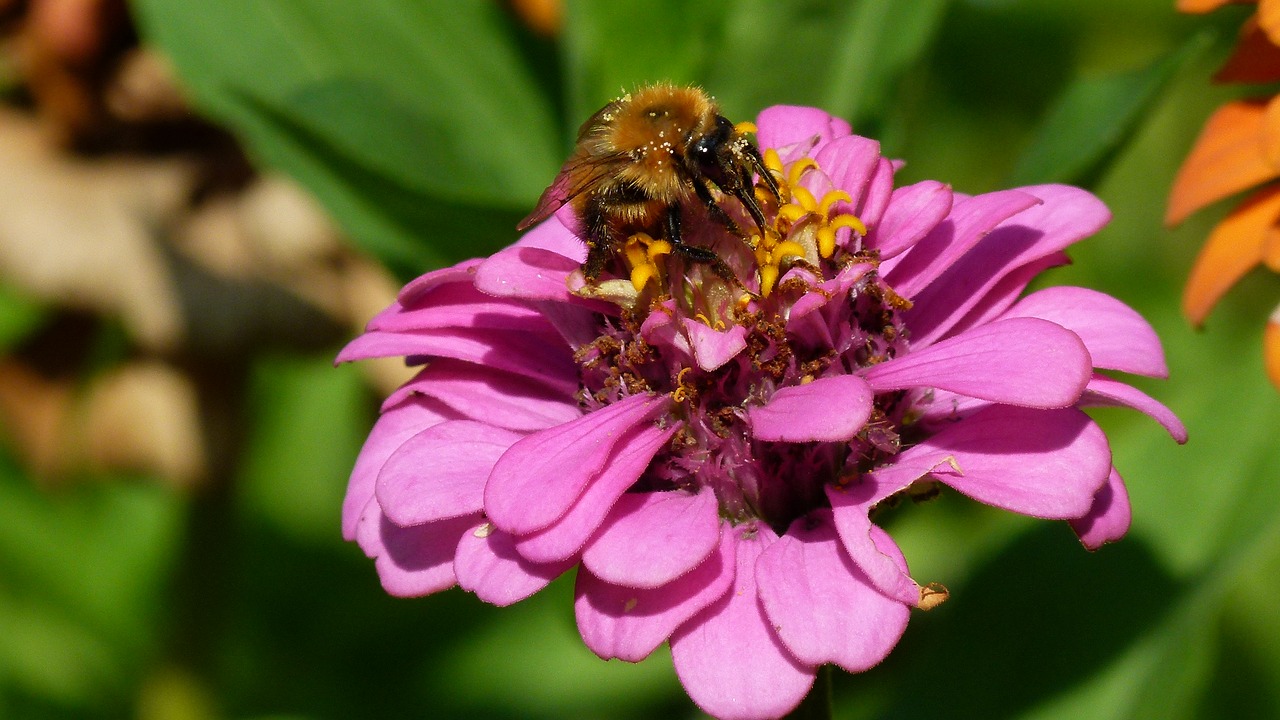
{"points": [[642, 159]]}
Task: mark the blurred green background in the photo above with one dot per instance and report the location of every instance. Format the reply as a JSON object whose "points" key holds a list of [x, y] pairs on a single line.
{"points": [[426, 130]]}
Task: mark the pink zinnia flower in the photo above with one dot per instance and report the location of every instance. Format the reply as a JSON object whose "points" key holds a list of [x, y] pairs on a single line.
{"points": [[709, 461]]}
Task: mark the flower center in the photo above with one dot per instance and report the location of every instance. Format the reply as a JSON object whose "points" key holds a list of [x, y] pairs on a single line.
{"points": [[821, 310]]}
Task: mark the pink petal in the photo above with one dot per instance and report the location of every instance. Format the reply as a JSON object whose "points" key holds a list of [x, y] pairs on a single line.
{"points": [[879, 193], [821, 604], [783, 125], [652, 538], [578, 322], [499, 398], [629, 459], [628, 624], [412, 561], [1109, 517], [536, 481], [994, 302], [1065, 216], [1020, 361], [397, 424], [537, 355], [1105, 392], [713, 348], [1118, 338], [528, 273], [835, 290], [463, 272], [556, 237], [456, 305], [489, 566], [729, 657], [1043, 463], [884, 569], [969, 221], [944, 408], [913, 211], [849, 162], [440, 472], [831, 409]]}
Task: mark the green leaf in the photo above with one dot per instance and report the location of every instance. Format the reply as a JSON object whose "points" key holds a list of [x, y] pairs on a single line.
{"points": [[81, 575], [1093, 117], [18, 316], [885, 37], [841, 57], [310, 420], [428, 101], [612, 47], [546, 671]]}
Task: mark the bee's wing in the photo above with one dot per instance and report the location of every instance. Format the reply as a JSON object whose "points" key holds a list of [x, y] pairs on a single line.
{"points": [[579, 174]]}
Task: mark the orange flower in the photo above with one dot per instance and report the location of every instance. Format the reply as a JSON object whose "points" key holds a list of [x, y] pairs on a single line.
{"points": [[1239, 148]]}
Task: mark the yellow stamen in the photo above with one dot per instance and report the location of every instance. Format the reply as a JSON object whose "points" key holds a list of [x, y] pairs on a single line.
{"points": [[831, 198], [641, 274], [682, 391], [772, 161], [804, 198], [826, 241], [635, 254], [658, 248], [798, 168], [745, 127], [634, 249], [849, 221], [763, 196], [789, 248], [792, 212], [762, 256], [768, 276]]}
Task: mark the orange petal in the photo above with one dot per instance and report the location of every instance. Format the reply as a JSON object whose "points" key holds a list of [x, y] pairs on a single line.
{"points": [[1271, 348], [1255, 60], [1269, 19], [1227, 158], [544, 17], [1233, 249], [1271, 132], [1204, 6], [1271, 249]]}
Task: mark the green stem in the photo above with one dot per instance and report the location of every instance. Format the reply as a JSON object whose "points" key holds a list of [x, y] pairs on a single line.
{"points": [[817, 704]]}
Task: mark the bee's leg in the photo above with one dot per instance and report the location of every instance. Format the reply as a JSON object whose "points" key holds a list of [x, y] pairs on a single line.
{"points": [[745, 190], [713, 208], [757, 164], [697, 254], [599, 239]]}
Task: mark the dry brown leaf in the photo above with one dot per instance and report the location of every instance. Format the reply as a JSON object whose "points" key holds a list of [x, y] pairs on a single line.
{"points": [[34, 410], [143, 417], [83, 233]]}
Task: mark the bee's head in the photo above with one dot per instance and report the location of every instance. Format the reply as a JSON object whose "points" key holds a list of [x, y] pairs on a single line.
{"points": [[714, 155]]}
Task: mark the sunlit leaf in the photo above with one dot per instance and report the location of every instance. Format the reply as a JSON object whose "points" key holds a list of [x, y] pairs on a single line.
{"points": [[1093, 117], [427, 100], [838, 56], [613, 47]]}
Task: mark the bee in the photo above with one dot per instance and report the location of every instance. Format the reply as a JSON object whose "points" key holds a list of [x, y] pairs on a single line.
{"points": [[641, 160]]}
